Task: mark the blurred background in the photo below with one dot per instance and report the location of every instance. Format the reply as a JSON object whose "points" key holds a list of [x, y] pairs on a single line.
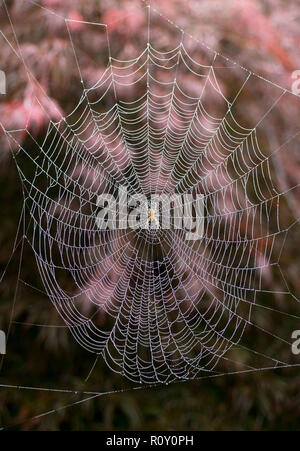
{"points": [[263, 36]]}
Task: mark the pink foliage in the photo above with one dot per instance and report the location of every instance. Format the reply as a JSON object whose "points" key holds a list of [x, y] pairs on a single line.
{"points": [[75, 21]]}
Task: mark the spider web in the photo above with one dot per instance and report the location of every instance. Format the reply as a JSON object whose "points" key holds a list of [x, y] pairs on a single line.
{"points": [[155, 307]]}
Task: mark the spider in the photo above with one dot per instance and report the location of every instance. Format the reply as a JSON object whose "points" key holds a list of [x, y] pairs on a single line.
{"points": [[152, 217]]}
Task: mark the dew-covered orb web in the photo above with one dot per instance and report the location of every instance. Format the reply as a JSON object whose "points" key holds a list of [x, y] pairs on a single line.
{"points": [[161, 120]]}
